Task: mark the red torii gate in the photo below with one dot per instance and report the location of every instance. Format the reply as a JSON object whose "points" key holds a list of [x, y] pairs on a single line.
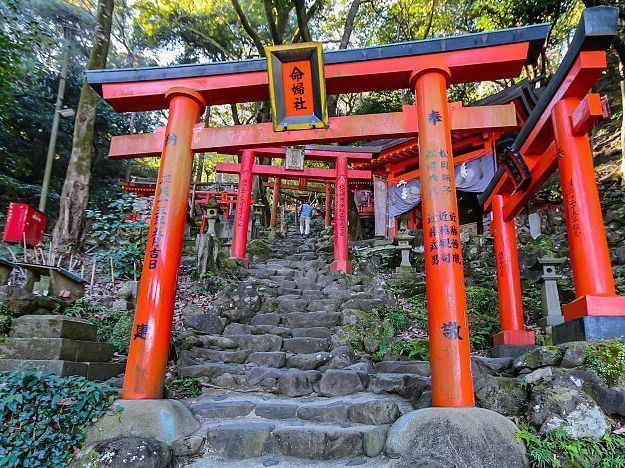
{"points": [[427, 67], [340, 174], [555, 136]]}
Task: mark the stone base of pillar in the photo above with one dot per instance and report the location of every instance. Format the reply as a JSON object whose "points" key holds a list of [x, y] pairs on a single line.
{"points": [[341, 265], [590, 329], [514, 337], [594, 306], [509, 351]]}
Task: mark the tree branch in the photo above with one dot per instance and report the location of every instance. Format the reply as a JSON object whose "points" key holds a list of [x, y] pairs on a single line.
{"points": [[349, 23], [248, 28], [426, 33], [619, 48], [302, 20], [273, 28]]}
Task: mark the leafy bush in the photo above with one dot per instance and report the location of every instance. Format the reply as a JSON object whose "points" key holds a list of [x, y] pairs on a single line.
{"points": [[375, 331], [542, 247], [5, 324], [44, 417], [211, 282], [116, 227], [481, 309], [418, 349], [607, 360], [187, 387], [557, 448], [113, 326], [532, 301], [483, 316]]}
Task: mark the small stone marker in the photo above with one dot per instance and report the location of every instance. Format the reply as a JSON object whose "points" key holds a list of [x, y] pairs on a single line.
{"points": [[534, 220]]}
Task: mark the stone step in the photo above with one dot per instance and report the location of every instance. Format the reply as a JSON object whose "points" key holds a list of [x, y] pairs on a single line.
{"points": [[53, 326], [268, 359], [245, 440], [311, 319], [306, 345], [213, 355], [254, 425], [405, 385], [55, 349], [211, 370], [256, 343], [92, 370], [312, 332], [404, 367]]}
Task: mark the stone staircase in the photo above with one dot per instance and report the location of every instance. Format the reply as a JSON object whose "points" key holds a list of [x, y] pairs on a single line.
{"points": [[282, 383]]}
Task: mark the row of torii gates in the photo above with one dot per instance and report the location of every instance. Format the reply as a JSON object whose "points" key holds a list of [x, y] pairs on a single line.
{"points": [[554, 136]]}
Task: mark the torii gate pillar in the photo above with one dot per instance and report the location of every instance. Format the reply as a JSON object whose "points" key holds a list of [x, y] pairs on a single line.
{"points": [[508, 280], [274, 202], [341, 242], [151, 333], [328, 216], [590, 257], [242, 214], [450, 353]]}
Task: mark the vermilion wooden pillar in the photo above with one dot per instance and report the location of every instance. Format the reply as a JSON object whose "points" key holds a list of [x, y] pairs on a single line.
{"points": [[243, 209], [450, 354], [508, 280], [328, 217], [341, 246], [149, 343], [274, 202], [590, 257]]}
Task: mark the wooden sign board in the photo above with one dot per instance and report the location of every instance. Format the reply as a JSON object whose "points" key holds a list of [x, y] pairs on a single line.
{"points": [[297, 86], [294, 158]]}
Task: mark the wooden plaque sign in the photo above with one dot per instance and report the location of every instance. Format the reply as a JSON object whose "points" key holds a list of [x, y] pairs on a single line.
{"points": [[294, 159], [297, 86]]}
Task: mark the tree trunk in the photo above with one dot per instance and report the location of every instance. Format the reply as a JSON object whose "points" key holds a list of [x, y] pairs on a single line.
{"points": [[619, 48], [70, 227]]}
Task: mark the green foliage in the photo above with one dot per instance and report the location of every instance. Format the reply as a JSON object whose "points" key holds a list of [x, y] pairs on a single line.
{"points": [[5, 323], [115, 227], [211, 282], [532, 300], [113, 326], [607, 360], [374, 333], [418, 349], [483, 316], [540, 247], [44, 417], [557, 448], [187, 387], [481, 309]]}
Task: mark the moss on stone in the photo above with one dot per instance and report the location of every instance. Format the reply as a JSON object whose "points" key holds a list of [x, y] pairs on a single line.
{"points": [[258, 248], [607, 360]]}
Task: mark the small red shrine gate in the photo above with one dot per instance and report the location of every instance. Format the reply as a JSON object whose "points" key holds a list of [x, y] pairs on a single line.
{"points": [[340, 174], [428, 68]]}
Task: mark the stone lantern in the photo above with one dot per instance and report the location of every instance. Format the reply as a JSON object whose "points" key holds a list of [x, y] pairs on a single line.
{"points": [[258, 212], [552, 311], [212, 213], [257, 217], [404, 245]]}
